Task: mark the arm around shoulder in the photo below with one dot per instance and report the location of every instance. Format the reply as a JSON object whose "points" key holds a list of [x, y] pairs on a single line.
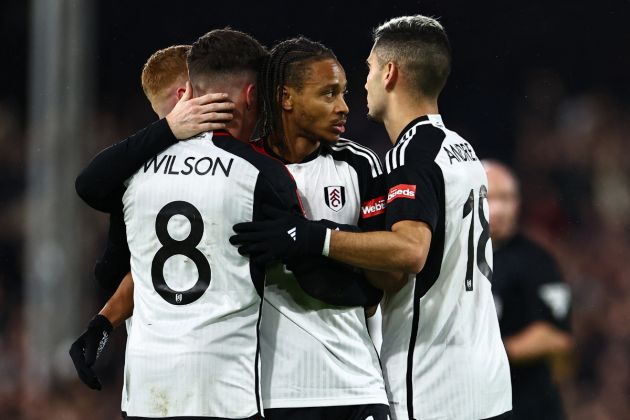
{"points": [[101, 182]]}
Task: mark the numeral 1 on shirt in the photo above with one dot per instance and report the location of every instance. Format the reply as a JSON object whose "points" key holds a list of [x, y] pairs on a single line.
{"points": [[482, 264]]}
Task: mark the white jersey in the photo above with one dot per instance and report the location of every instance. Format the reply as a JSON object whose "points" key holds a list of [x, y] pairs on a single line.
{"points": [[314, 354], [193, 344], [442, 353]]}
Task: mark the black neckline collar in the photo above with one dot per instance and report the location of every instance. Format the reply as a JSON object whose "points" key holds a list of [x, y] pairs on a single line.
{"points": [[312, 156], [411, 124]]}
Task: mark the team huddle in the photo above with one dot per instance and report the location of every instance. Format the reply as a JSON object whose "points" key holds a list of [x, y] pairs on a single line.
{"points": [[250, 265]]}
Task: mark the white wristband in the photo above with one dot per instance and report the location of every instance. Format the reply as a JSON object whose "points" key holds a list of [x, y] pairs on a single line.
{"points": [[326, 249]]}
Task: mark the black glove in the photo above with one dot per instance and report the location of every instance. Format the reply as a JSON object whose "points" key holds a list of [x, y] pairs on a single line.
{"points": [[281, 235], [86, 349]]}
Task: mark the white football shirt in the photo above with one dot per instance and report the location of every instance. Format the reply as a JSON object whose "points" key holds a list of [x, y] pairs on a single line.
{"points": [[442, 353], [193, 344], [314, 354]]}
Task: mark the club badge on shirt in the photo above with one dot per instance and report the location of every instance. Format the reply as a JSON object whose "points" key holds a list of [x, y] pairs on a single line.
{"points": [[335, 197]]}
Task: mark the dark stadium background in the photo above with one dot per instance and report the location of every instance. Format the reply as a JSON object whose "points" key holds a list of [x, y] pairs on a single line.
{"points": [[542, 85]]}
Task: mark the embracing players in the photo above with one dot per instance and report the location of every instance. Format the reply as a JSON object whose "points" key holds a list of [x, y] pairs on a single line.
{"points": [[193, 346], [442, 352], [307, 370]]}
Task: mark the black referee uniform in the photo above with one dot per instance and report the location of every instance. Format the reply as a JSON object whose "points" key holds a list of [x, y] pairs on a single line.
{"points": [[528, 287]]}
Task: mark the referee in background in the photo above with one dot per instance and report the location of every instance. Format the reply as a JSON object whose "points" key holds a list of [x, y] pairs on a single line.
{"points": [[532, 300]]}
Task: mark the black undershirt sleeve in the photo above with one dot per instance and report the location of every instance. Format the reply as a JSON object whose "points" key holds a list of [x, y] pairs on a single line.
{"points": [[100, 184], [114, 263]]}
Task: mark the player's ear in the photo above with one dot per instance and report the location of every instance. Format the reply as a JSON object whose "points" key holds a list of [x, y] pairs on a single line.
{"points": [[250, 96], [390, 75], [287, 98], [180, 92]]}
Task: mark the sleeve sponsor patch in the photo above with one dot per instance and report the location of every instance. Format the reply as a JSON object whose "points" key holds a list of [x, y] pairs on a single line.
{"points": [[401, 191], [373, 207]]}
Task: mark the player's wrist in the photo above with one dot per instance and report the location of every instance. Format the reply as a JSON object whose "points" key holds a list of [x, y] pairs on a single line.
{"points": [[101, 322]]}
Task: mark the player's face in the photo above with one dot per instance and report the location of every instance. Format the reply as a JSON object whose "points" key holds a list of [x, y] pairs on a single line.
{"points": [[165, 101], [374, 87], [503, 201], [319, 110], [163, 106]]}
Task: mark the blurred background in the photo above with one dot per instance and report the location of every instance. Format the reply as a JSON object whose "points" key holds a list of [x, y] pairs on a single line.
{"points": [[541, 85]]}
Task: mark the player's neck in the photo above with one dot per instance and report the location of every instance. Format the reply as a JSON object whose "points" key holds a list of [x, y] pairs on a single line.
{"points": [[240, 130], [402, 110], [297, 148]]}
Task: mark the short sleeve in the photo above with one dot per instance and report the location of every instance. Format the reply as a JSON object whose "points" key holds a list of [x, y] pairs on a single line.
{"points": [[373, 197], [414, 192], [370, 179], [549, 295]]}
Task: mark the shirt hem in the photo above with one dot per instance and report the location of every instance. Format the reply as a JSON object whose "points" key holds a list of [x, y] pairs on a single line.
{"points": [[323, 402]]}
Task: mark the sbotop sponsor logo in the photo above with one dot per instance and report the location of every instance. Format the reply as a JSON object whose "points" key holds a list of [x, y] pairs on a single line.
{"points": [[401, 191], [373, 207]]}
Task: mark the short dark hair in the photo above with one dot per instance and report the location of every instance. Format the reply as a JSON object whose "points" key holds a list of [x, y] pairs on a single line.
{"points": [[419, 45], [287, 65], [225, 51]]}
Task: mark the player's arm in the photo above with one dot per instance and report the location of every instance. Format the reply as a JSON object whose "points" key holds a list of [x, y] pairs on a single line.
{"points": [[112, 266], [404, 249], [370, 311], [411, 218], [287, 235], [90, 344], [548, 310], [334, 282], [120, 306], [537, 340], [373, 192], [100, 184], [388, 281], [330, 281]]}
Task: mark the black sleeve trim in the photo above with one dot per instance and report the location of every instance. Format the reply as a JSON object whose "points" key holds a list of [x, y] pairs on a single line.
{"points": [[371, 180]]}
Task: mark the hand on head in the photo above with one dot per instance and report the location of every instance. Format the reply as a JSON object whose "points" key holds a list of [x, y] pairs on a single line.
{"points": [[192, 116]]}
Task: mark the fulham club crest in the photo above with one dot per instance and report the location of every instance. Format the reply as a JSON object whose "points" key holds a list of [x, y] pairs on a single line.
{"points": [[335, 197]]}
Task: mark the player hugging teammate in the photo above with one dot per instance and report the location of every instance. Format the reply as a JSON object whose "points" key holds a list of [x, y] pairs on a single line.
{"points": [[308, 208]]}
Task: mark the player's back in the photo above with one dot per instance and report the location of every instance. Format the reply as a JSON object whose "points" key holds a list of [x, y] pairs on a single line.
{"points": [[192, 350], [449, 347]]}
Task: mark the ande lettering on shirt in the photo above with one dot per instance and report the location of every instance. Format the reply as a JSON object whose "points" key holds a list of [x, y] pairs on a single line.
{"points": [[460, 153], [167, 164]]}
